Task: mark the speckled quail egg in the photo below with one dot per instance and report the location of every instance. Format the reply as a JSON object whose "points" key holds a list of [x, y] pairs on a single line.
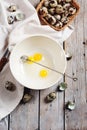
{"points": [[52, 10], [66, 13], [12, 8], [59, 1], [59, 24], [66, 6], [43, 11], [59, 9], [63, 19], [10, 86], [66, 21], [50, 97], [72, 10], [53, 3], [46, 3], [68, 1], [57, 16], [47, 16], [51, 19]]}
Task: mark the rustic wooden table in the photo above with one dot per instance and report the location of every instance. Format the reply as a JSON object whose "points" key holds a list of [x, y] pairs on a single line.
{"points": [[37, 115]]}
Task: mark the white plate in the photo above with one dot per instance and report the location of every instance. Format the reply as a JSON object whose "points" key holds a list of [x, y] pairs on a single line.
{"points": [[8, 100], [53, 57]]}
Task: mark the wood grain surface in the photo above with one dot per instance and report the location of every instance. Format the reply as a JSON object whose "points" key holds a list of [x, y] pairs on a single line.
{"points": [[37, 115]]}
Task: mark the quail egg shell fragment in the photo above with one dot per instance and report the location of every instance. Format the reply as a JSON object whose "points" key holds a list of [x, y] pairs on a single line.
{"points": [[20, 16], [11, 19]]}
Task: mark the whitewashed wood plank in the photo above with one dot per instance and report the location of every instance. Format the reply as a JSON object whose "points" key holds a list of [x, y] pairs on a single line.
{"points": [[76, 90], [25, 117], [84, 125], [4, 124], [52, 114], [85, 39]]}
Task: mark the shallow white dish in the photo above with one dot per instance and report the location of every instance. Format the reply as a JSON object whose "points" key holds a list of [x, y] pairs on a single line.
{"points": [[8, 100], [53, 57]]}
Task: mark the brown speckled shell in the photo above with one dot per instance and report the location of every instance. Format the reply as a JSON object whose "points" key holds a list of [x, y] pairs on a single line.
{"points": [[43, 20]]}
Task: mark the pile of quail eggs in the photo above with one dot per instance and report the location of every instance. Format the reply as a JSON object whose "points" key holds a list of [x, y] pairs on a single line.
{"points": [[57, 12]]}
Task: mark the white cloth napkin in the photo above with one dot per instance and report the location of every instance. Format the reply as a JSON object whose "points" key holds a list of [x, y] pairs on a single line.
{"points": [[30, 26], [14, 33], [8, 100]]}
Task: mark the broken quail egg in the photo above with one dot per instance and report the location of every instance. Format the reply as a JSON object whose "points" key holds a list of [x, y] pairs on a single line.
{"points": [[62, 86], [68, 56], [20, 16], [70, 105], [10, 19]]}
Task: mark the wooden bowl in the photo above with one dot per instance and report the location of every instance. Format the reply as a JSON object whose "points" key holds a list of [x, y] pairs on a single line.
{"points": [[44, 21]]}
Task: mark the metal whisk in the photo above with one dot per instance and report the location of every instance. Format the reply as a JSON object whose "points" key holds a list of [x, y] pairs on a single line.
{"points": [[25, 58]]}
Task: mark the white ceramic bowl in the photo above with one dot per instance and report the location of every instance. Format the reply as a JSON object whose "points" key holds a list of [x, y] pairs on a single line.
{"points": [[53, 56]]}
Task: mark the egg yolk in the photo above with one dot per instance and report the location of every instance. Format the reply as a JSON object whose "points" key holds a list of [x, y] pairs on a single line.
{"points": [[43, 73], [31, 58], [37, 57]]}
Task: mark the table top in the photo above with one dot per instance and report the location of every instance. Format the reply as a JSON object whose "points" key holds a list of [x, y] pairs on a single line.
{"points": [[38, 115]]}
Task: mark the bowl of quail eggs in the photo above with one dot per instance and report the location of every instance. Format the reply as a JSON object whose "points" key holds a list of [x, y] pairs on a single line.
{"points": [[38, 62], [58, 14]]}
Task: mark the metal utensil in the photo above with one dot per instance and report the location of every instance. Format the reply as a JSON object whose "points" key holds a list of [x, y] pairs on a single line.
{"points": [[26, 58]]}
